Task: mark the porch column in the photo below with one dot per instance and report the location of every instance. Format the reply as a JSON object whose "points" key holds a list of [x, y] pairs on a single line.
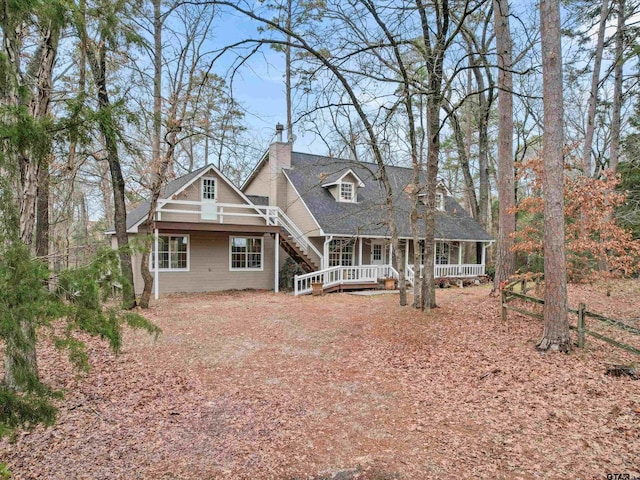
{"points": [[484, 253], [459, 253], [276, 266], [359, 251], [156, 272], [406, 255], [391, 254]]}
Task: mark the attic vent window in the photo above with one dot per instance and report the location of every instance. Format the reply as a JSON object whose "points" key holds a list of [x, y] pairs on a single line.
{"points": [[346, 192], [439, 201], [208, 188]]}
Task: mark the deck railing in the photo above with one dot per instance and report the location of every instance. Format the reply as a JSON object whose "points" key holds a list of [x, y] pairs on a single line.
{"points": [[342, 275], [218, 212]]}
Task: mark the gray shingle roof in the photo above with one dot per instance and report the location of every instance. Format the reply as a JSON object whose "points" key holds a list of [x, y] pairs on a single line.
{"points": [[368, 216]]}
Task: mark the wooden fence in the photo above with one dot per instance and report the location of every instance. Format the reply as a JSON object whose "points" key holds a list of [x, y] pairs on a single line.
{"points": [[509, 294]]}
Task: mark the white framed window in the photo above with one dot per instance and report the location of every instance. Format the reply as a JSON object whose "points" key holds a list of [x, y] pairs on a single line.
{"points": [[173, 253], [246, 253], [347, 192], [439, 201], [376, 253], [341, 253], [442, 253], [208, 188]]}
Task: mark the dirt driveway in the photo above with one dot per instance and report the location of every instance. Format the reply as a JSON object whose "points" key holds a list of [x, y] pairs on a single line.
{"points": [[264, 385]]}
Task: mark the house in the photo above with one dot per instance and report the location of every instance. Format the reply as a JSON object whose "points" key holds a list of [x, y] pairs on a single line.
{"points": [[326, 213]]}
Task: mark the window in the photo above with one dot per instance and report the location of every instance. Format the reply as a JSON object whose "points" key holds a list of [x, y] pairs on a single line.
{"points": [[439, 201], [346, 192], [442, 253], [173, 253], [245, 253], [376, 254], [208, 189], [341, 253]]}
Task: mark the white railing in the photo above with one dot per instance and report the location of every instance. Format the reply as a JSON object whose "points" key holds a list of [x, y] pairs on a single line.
{"points": [[284, 221], [461, 270], [451, 270], [272, 215], [342, 275]]}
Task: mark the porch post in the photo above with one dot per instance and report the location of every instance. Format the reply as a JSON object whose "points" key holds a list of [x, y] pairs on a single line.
{"points": [[406, 255], [484, 254], [459, 253], [276, 265], [156, 273], [359, 251], [391, 254]]}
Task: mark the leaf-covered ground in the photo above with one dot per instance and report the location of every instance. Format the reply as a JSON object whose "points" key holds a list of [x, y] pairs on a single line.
{"points": [[263, 385]]}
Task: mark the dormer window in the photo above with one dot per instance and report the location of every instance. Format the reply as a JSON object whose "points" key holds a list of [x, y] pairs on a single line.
{"points": [[439, 201], [347, 192], [208, 189]]}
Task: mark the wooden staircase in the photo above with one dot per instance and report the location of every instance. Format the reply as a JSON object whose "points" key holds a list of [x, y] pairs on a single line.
{"points": [[296, 252]]}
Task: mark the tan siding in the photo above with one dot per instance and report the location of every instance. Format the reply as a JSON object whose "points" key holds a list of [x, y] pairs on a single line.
{"points": [[261, 183], [298, 213], [225, 194], [209, 268]]}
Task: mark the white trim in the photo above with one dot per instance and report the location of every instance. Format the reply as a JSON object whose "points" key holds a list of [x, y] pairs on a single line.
{"points": [[205, 170], [300, 199], [156, 272], [435, 256], [170, 270], [383, 252], [235, 269], [339, 180], [411, 238], [215, 189], [276, 263], [255, 170], [342, 199]]}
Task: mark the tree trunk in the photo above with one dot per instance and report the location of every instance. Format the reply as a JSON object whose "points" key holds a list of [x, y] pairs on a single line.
{"points": [[614, 148], [42, 207], [158, 178], [428, 297], [556, 326], [593, 96], [97, 62], [506, 259]]}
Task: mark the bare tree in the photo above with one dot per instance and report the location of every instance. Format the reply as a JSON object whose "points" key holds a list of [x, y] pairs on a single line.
{"points": [[506, 260], [556, 325], [96, 54], [616, 119], [593, 94]]}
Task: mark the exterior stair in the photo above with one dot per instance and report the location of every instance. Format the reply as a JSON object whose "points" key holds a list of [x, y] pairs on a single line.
{"points": [[296, 252]]}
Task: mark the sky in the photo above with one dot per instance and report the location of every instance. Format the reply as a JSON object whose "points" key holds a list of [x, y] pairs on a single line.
{"points": [[259, 85]]}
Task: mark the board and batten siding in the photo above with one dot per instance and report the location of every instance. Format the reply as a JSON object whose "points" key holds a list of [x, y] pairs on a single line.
{"points": [[209, 267]]}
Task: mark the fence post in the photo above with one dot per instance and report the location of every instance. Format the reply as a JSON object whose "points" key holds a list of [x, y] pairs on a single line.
{"points": [[581, 309], [503, 303]]}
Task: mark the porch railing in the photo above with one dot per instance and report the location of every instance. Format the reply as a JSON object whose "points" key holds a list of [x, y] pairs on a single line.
{"points": [[343, 275], [444, 271]]}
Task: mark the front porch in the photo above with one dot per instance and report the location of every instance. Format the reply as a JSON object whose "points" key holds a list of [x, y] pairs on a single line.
{"points": [[362, 262]]}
